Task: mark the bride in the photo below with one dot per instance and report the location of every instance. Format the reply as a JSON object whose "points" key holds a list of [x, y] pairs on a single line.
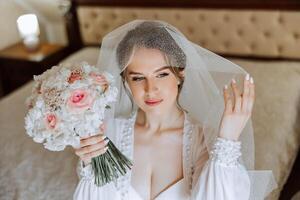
{"points": [[182, 117]]}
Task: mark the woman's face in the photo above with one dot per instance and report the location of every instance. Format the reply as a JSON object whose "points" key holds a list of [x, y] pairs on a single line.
{"points": [[154, 87]]}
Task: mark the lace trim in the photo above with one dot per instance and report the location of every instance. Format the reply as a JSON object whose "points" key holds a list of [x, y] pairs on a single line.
{"points": [[226, 152], [126, 144], [187, 138]]}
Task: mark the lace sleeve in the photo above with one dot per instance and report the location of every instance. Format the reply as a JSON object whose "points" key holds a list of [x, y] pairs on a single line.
{"points": [[226, 152], [85, 172], [222, 176]]}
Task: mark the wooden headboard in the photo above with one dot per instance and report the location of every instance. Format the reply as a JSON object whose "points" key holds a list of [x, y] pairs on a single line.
{"points": [[252, 28]]}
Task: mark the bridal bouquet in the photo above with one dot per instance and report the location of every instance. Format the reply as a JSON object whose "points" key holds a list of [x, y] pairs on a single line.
{"points": [[69, 102]]}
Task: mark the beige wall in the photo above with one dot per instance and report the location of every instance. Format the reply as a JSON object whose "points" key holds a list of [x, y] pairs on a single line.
{"points": [[50, 20], [9, 12]]}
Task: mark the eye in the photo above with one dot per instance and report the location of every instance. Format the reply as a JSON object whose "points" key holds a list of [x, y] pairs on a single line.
{"points": [[162, 75], [137, 78]]}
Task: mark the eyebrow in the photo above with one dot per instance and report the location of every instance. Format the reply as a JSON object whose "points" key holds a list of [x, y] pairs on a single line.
{"points": [[160, 69]]}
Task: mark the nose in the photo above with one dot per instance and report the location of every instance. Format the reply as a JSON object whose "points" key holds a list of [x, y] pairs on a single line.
{"points": [[150, 86]]}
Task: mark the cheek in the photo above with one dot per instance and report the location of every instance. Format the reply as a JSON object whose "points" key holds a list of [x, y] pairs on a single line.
{"points": [[170, 89], [167, 89], [137, 91]]}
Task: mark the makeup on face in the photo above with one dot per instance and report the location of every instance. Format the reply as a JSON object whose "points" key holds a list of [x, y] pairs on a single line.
{"points": [[151, 81], [153, 102], [137, 76], [159, 73]]}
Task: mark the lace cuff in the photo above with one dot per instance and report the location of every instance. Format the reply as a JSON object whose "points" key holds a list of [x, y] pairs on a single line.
{"points": [[85, 172], [226, 152]]}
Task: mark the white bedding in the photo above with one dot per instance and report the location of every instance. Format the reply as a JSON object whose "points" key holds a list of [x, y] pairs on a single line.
{"points": [[28, 171]]}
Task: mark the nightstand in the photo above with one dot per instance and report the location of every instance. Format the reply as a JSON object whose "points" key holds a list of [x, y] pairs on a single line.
{"points": [[17, 65]]}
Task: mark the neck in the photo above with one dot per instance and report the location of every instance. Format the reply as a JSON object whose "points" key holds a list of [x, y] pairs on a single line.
{"points": [[155, 122]]}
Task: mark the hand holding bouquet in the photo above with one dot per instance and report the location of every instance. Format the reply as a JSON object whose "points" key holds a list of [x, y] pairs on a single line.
{"points": [[69, 103]]}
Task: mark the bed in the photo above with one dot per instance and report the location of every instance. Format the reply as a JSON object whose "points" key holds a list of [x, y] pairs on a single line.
{"points": [[262, 39]]}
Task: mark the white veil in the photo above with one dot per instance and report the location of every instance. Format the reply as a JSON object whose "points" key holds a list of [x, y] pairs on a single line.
{"points": [[202, 90]]}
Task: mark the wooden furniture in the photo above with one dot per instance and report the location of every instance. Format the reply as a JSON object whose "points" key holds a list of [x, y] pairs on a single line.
{"points": [[17, 65]]}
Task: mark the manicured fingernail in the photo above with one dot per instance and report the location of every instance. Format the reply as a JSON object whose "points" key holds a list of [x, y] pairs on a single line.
{"points": [[233, 80], [251, 80], [247, 77], [106, 141], [103, 137], [105, 148], [226, 87]]}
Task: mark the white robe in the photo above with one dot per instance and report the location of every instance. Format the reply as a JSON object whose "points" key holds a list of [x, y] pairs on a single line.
{"points": [[221, 177]]}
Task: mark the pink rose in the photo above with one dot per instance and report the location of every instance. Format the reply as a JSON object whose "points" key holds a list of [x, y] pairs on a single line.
{"points": [[99, 79], [75, 75], [80, 100], [51, 121]]}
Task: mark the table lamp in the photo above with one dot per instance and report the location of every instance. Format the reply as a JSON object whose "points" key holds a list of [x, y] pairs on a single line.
{"points": [[28, 27]]}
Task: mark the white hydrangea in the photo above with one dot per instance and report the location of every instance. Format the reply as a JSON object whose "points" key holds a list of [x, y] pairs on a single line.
{"points": [[51, 120]]}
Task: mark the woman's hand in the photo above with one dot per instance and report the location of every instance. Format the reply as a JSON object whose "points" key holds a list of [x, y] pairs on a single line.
{"points": [[237, 112], [92, 146]]}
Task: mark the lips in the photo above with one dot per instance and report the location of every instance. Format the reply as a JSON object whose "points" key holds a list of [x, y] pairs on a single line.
{"points": [[153, 102]]}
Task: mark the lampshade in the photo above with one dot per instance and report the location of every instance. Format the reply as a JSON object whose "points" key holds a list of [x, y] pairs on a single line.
{"points": [[29, 30], [28, 25]]}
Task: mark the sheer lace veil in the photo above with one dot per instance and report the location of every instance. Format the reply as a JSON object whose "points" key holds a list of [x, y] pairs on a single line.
{"points": [[201, 95]]}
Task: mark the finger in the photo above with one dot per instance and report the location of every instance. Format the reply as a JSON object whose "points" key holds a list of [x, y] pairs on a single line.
{"points": [[252, 88], [251, 95], [88, 149], [100, 133], [96, 153], [102, 127], [227, 100], [92, 140], [91, 148], [237, 96], [246, 93], [84, 137]]}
